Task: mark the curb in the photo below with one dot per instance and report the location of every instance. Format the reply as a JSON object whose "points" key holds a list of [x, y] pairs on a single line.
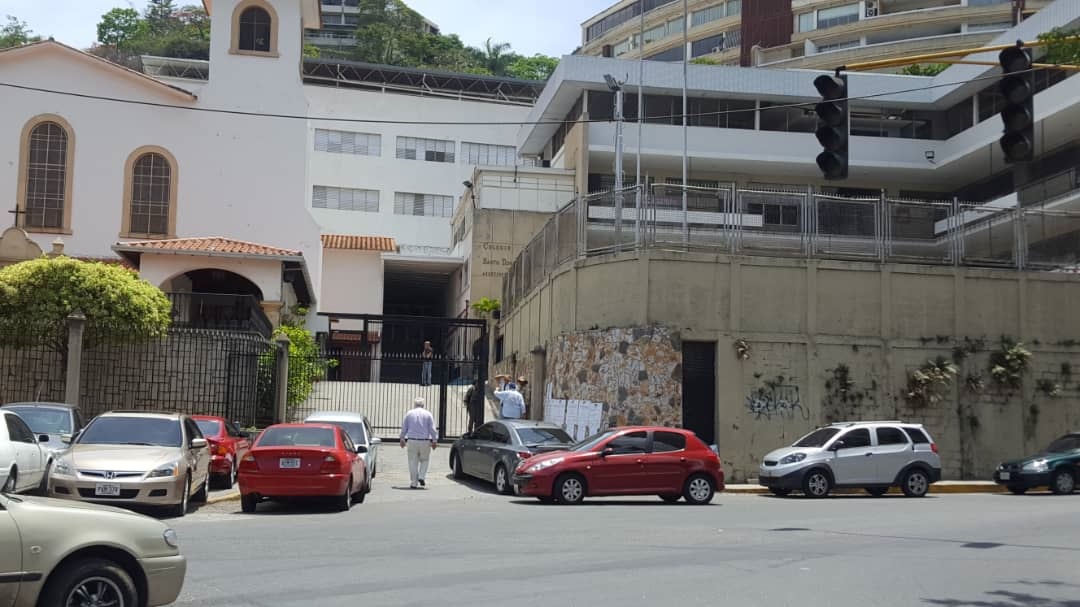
{"points": [[942, 488], [226, 496]]}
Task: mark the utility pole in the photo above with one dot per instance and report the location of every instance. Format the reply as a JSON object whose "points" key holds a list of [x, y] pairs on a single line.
{"points": [[616, 87], [640, 195], [685, 157]]}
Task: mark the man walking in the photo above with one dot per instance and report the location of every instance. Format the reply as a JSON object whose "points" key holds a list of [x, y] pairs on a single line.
{"points": [[418, 433], [513, 404]]}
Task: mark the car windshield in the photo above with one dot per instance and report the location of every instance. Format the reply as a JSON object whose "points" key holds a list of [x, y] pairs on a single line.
{"points": [[150, 431], [209, 427], [297, 436], [45, 420], [1064, 444], [355, 430], [590, 443], [817, 438], [543, 436]]}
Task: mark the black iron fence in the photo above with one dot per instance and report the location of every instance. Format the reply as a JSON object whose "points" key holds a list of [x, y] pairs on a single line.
{"points": [[32, 362], [219, 311]]}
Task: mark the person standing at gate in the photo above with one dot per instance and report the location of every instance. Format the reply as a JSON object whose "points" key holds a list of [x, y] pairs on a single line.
{"points": [[474, 404], [513, 404], [425, 373], [419, 435]]}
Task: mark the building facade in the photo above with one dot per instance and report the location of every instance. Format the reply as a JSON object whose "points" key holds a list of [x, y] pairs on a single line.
{"points": [[817, 34], [337, 33]]}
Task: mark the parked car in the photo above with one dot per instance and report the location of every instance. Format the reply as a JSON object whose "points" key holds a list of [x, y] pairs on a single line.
{"points": [[67, 553], [359, 429], [871, 455], [1056, 467], [22, 460], [228, 445], [493, 451], [133, 457], [669, 462], [303, 460], [58, 422]]}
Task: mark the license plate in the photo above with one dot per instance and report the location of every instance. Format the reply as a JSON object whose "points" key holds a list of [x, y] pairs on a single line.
{"points": [[107, 490], [1004, 476], [289, 462]]}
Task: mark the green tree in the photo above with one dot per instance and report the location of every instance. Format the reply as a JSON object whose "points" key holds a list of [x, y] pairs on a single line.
{"points": [[496, 57], [16, 33], [537, 67], [160, 16], [1063, 47], [389, 32], [307, 365], [932, 69], [310, 50], [120, 27], [118, 305]]}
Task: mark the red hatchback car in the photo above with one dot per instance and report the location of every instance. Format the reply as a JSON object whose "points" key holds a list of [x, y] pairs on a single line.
{"points": [[303, 460], [228, 445], [669, 462]]}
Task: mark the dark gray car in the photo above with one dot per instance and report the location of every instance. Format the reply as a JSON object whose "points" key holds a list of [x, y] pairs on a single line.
{"points": [[493, 450], [59, 421]]}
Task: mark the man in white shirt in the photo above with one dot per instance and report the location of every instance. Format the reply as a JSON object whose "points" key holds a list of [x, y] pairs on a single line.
{"points": [[513, 404], [418, 433]]}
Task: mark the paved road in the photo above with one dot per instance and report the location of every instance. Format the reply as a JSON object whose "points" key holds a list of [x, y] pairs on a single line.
{"points": [[456, 544]]}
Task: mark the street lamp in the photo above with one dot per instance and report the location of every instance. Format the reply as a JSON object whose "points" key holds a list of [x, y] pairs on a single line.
{"points": [[616, 87]]}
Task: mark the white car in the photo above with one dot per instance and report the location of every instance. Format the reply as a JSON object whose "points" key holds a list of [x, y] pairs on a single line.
{"points": [[358, 428], [22, 460]]}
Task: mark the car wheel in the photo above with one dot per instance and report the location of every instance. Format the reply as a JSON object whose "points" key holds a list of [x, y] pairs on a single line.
{"points": [[570, 489], [181, 509], [699, 490], [200, 495], [1016, 489], [916, 483], [232, 475], [248, 503], [816, 483], [455, 465], [43, 486], [88, 582], [502, 480], [671, 499], [359, 496], [344, 502], [877, 491], [12, 481], [374, 470], [1063, 482], [780, 491]]}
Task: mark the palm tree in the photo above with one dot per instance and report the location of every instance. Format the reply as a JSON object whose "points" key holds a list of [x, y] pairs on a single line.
{"points": [[495, 57]]}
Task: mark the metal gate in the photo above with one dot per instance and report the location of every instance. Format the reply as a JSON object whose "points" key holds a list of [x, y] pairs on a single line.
{"points": [[376, 367]]}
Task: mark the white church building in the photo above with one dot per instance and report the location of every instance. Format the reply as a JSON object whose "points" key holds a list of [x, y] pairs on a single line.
{"points": [[259, 172]]}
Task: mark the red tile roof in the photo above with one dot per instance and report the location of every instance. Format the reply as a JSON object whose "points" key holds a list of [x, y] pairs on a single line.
{"points": [[359, 243], [213, 244]]}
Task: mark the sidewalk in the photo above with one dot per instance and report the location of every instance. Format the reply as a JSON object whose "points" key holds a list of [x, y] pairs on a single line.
{"points": [[938, 487]]}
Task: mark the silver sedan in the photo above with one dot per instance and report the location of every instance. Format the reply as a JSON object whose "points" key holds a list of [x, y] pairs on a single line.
{"points": [[493, 451]]}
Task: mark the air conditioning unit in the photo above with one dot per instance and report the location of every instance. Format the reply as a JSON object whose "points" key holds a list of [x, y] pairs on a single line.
{"points": [[717, 49], [871, 9]]}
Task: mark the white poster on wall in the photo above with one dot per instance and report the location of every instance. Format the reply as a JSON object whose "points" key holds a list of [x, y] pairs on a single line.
{"points": [[580, 418]]}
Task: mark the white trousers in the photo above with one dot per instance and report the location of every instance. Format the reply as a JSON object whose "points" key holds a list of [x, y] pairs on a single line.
{"points": [[419, 456]]}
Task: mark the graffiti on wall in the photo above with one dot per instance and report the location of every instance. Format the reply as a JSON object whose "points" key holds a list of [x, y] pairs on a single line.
{"points": [[776, 401]]}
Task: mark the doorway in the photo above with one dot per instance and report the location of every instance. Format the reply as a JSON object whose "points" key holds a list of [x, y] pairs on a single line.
{"points": [[699, 389]]}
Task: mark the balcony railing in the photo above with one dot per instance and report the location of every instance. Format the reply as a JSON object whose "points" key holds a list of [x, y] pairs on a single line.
{"points": [[789, 221], [219, 311]]}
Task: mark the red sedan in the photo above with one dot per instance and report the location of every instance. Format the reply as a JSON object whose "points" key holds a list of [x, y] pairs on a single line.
{"points": [[668, 462], [228, 445], [303, 460]]}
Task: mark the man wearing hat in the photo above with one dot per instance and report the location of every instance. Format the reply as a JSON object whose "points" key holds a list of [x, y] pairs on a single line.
{"points": [[512, 403]]}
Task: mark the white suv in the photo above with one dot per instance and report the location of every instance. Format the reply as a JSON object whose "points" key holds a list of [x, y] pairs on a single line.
{"points": [[871, 455]]}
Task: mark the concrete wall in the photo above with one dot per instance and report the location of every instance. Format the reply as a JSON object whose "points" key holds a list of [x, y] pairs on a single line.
{"points": [[830, 340], [353, 283]]}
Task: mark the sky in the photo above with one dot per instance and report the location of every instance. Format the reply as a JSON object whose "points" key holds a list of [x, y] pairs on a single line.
{"points": [[549, 27]]}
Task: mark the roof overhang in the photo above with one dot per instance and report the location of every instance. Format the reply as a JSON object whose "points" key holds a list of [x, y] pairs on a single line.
{"points": [[134, 253]]}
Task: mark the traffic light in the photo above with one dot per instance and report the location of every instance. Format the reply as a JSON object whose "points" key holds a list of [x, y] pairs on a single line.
{"points": [[833, 121], [1018, 115]]}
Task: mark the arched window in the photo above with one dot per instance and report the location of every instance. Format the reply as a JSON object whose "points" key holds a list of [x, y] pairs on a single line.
{"points": [[254, 30], [46, 179], [150, 194]]}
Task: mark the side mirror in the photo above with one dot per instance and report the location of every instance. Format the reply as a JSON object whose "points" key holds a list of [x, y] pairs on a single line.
{"points": [[66, 438], [376, 440], [198, 443], [361, 449], [838, 445], [607, 451], [43, 438], [467, 436]]}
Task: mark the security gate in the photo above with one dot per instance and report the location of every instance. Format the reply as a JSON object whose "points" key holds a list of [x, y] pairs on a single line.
{"points": [[376, 366]]}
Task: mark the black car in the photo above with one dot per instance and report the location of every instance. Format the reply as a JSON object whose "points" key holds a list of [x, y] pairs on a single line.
{"points": [[493, 451], [1056, 467]]}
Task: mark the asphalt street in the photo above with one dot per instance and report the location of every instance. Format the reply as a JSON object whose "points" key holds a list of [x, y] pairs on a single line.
{"points": [[460, 544]]}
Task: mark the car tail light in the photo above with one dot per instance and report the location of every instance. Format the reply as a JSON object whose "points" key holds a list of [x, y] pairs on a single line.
{"points": [[221, 450], [933, 447], [249, 463], [330, 465]]}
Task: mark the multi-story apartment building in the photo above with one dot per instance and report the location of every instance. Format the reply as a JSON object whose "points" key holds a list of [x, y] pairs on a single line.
{"points": [[797, 33], [340, 19]]}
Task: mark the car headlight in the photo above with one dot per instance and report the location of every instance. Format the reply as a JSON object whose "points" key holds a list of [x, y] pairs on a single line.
{"points": [[1038, 465], [61, 466], [544, 464], [793, 458], [164, 471], [170, 538]]}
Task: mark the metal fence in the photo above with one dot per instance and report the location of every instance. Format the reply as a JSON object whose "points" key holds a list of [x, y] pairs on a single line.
{"points": [[794, 221]]}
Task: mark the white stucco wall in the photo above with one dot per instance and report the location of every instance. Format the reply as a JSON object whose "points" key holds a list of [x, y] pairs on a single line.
{"points": [[353, 283], [266, 274]]}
